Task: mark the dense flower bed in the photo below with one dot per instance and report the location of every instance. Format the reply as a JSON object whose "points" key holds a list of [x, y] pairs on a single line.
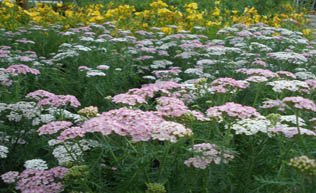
{"points": [[99, 108]]}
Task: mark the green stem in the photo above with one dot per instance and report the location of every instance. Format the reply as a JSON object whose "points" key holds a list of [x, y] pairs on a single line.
{"points": [[252, 159], [162, 165], [143, 168], [132, 146], [106, 140], [256, 97], [205, 181], [227, 137], [69, 152]]}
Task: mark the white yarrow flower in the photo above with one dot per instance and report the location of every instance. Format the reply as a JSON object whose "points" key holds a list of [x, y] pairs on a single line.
{"points": [[3, 151], [290, 85], [251, 126], [36, 164]]}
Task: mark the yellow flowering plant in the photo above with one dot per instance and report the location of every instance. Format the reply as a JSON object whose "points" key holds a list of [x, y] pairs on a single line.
{"points": [[158, 14]]}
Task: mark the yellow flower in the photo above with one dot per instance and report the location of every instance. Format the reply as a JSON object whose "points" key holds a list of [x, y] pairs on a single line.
{"points": [[37, 19], [180, 28], [145, 25], [193, 5], [68, 13], [178, 13], [7, 16], [167, 30], [246, 10], [235, 19], [288, 6], [8, 4], [217, 2], [306, 32], [158, 3], [235, 12], [163, 11], [33, 14], [59, 4], [93, 19], [99, 18], [211, 23], [96, 13], [276, 34], [252, 10], [217, 12], [276, 19], [257, 18]]}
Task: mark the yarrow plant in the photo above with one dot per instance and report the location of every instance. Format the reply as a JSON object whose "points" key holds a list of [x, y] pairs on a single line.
{"points": [[47, 98], [251, 126], [297, 102], [300, 103], [140, 125], [89, 112], [233, 110], [206, 154], [230, 85], [304, 164], [53, 127], [35, 164], [21, 69], [3, 151], [32, 180]]}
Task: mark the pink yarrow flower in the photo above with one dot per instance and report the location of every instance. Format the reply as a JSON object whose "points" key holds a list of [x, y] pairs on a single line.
{"points": [[140, 125], [10, 177], [21, 69], [313, 120], [208, 153], [290, 132], [60, 100], [171, 107], [41, 180], [53, 127], [223, 85], [273, 103], [232, 110], [39, 94], [311, 84], [258, 72], [47, 98], [299, 102], [128, 99], [286, 74], [71, 133]]}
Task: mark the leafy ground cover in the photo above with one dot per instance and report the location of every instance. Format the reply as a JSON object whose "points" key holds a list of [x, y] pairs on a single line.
{"points": [[100, 108]]}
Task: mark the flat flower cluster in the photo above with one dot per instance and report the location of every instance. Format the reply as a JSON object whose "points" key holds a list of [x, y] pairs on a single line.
{"points": [[139, 95], [223, 85], [297, 102], [233, 110], [3, 151], [36, 164], [33, 180], [304, 164], [280, 86], [206, 154], [251, 126], [46, 98], [140, 125], [21, 69], [53, 127]]}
